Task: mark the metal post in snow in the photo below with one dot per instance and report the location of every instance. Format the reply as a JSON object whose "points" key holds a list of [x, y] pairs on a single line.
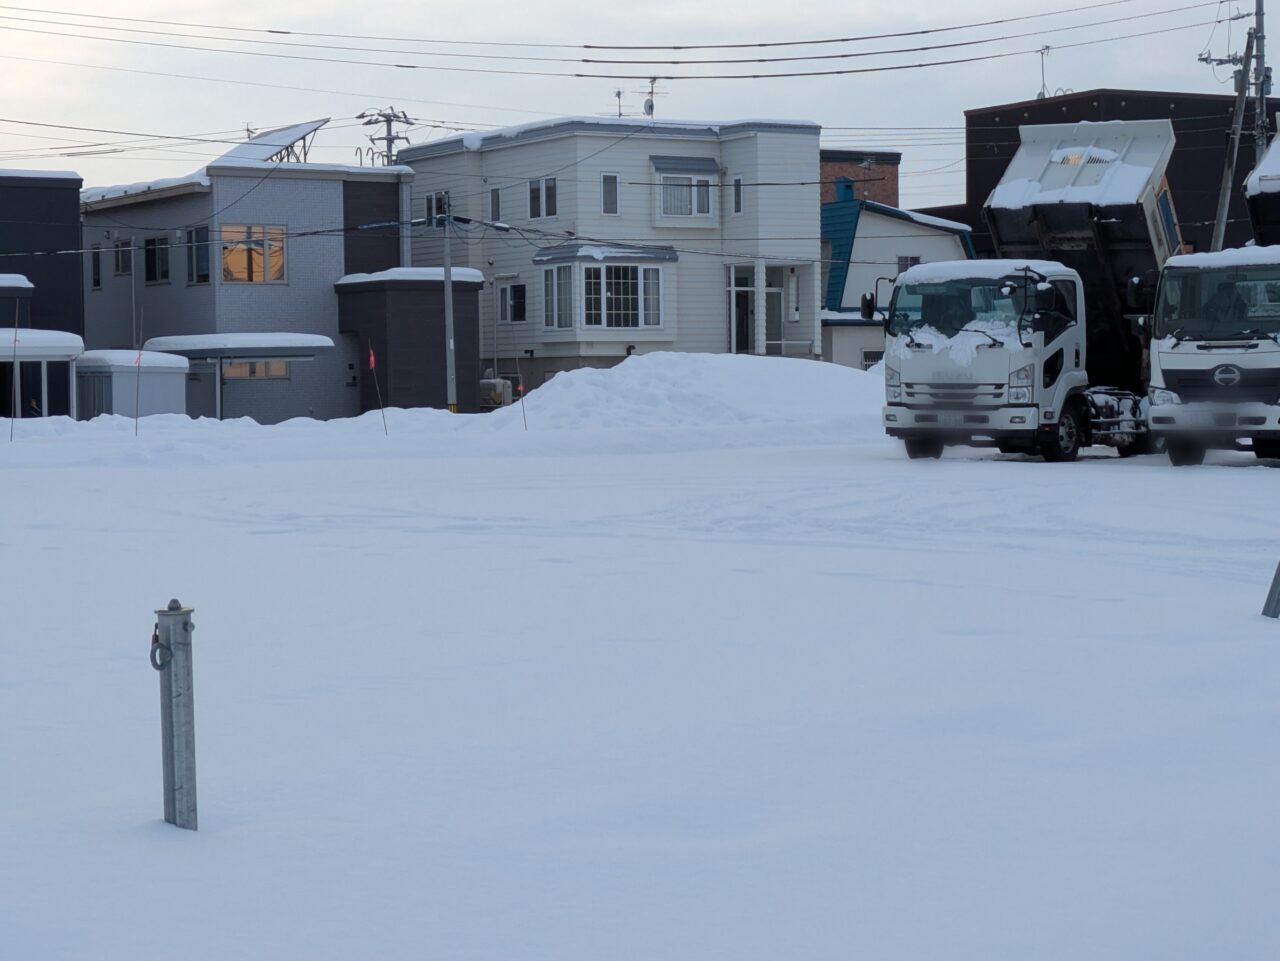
{"points": [[451, 396], [1272, 607], [171, 656]]}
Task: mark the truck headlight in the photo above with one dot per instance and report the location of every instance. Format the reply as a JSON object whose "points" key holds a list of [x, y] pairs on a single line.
{"points": [[893, 394], [891, 377], [1023, 376], [1160, 397], [1019, 395]]}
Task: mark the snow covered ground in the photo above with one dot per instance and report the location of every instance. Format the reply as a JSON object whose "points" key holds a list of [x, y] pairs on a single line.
{"points": [[699, 666]]}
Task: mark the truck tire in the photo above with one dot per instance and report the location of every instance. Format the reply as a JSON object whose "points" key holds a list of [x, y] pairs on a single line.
{"points": [[1063, 443], [921, 448], [1267, 449], [1182, 454]]}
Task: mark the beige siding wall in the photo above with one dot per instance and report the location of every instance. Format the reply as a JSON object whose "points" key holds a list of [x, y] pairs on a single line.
{"points": [[881, 241]]}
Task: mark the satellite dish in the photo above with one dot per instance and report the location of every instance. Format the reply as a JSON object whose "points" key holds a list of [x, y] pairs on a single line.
{"points": [[648, 106]]}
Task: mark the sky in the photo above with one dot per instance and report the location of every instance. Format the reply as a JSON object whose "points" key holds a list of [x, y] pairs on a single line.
{"points": [[127, 85]]}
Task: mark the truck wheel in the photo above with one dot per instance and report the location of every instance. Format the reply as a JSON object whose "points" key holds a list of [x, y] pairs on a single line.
{"points": [[1182, 454], [1267, 449], [919, 448], [1063, 443]]}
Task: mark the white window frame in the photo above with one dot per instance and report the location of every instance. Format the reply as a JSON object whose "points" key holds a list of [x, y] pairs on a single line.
{"points": [[558, 297], [258, 233], [617, 194], [538, 188], [495, 203], [504, 303], [641, 302], [738, 199], [700, 188]]}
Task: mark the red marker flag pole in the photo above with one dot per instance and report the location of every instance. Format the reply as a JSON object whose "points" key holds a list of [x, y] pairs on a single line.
{"points": [[373, 368]]}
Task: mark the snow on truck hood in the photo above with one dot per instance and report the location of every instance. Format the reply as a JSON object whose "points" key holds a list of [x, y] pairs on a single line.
{"points": [[962, 348]]}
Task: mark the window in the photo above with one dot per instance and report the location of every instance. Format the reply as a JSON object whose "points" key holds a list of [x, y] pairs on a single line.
{"points": [[155, 259], [542, 198], [871, 357], [623, 296], [256, 370], [198, 255], [685, 196], [95, 267], [557, 303], [511, 303], [495, 204], [737, 195], [609, 194], [252, 254], [905, 263], [124, 257]]}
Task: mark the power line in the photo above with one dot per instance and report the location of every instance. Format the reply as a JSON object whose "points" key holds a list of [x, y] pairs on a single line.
{"points": [[571, 46], [605, 76], [572, 60]]}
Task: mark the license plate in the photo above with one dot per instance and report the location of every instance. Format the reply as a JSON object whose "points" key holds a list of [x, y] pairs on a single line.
{"points": [[951, 418]]}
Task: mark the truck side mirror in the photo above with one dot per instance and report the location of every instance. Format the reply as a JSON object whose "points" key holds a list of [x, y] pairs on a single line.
{"points": [[868, 307]]}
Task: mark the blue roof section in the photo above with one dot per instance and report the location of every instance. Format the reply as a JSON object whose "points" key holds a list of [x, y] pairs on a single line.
{"points": [[840, 229]]}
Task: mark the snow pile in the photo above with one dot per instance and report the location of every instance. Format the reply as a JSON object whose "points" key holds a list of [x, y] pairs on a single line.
{"points": [[944, 271], [461, 274], [1266, 256], [1119, 183], [669, 390]]}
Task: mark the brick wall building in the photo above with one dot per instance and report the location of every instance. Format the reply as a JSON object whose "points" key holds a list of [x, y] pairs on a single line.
{"points": [[874, 172]]}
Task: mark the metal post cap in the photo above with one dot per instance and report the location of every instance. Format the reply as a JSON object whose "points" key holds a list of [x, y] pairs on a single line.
{"points": [[175, 605]]}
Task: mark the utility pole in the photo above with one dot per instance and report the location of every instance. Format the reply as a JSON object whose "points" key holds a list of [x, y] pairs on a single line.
{"points": [[1262, 80], [1237, 121], [451, 396], [389, 138]]}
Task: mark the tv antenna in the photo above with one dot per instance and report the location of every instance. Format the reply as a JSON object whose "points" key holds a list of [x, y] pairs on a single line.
{"points": [[1044, 86], [650, 95], [618, 95]]}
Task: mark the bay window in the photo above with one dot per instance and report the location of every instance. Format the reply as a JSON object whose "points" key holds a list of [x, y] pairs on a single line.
{"points": [[686, 196], [557, 300], [620, 295]]}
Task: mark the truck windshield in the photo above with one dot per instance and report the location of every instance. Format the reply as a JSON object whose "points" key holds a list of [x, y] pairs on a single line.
{"points": [[1238, 302], [950, 305]]}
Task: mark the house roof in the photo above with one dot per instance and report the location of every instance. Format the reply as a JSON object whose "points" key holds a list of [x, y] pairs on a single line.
{"points": [[249, 346], [1106, 92], [840, 228], [258, 156], [563, 126], [27, 343], [412, 275]]}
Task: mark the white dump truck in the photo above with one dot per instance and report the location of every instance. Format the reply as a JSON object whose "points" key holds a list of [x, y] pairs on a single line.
{"points": [[1037, 351], [1215, 340]]}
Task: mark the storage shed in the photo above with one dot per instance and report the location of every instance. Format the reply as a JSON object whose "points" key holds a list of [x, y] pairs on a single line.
{"points": [[130, 383]]}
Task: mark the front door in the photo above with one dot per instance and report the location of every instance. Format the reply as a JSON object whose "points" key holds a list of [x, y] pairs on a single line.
{"points": [[743, 320]]}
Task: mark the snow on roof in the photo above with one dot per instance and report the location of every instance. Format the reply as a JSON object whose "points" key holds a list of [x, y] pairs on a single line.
{"points": [[94, 360], [16, 280], [276, 344], [927, 221], [30, 344], [1236, 257], [262, 147], [465, 274], [1106, 164], [254, 154], [476, 139], [97, 194], [1265, 178], [945, 270], [40, 174]]}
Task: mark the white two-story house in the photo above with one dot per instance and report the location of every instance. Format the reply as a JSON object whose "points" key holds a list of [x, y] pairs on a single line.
{"points": [[629, 235]]}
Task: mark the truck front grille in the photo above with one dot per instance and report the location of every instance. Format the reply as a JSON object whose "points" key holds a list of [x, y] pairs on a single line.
{"points": [[1257, 386], [955, 395]]}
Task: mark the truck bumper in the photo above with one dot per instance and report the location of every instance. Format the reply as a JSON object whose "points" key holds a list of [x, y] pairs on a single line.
{"points": [[968, 427], [1215, 425]]}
